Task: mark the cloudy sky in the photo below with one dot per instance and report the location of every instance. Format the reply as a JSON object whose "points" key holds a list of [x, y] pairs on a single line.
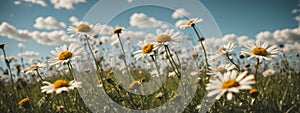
{"points": [[41, 24]]}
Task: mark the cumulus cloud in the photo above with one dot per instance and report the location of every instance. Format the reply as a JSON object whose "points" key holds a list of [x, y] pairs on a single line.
{"points": [[38, 2], [48, 23], [293, 47], [180, 23], [180, 13], [45, 38], [67, 4], [7, 30], [28, 54], [280, 36], [74, 20], [141, 20], [235, 38]]}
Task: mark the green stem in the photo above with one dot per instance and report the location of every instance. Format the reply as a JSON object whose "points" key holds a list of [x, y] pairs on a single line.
{"points": [[201, 42], [8, 66], [227, 55], [37, 71], [171, 60], [120, 41]]}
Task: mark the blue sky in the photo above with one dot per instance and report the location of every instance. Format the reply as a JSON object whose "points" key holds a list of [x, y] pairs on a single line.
{"points": [[241, 17]]}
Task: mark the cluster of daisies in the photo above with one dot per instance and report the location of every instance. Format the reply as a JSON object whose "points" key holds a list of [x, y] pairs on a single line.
{"points": [[228, 80]]}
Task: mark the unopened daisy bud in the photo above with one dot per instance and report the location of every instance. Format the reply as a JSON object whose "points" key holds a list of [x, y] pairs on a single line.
{"points": [[59, 108], [202, 39], [142, 80], [253, 93], [24, 103], [2, 46], [134, 85], [118, 30]]}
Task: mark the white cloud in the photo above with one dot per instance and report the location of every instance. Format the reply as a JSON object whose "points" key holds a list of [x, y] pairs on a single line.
{"points": [[67, 4], [180, 13], [235, 38], [297, 18], [10, 31], [74, 20], [45, 38], [48, 23], [28, 54], [38, 2], [180, 23], [129, 1], [141, 20], [280, 36], [294, 47]]}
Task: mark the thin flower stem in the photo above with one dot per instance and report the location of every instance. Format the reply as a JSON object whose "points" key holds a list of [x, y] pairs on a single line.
{"points": [[70, 69], [171, 60], [37, 71], [200, 40], [256, 69], [124, 59], [8, 66], [227, 55], [89, 46]]}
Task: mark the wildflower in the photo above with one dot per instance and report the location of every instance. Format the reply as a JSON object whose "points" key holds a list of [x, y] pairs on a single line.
{"points": [[100, 83], [167, 37], [224, 50], [118, 30], [259, 51], [24, 103], [253, 92], [64, 54], [191, 22], [268, 72], [59, 108], [84, 29], [34, 68], [135, 84], [147, 49], [228, 83], [222, 69], [59, 86]]}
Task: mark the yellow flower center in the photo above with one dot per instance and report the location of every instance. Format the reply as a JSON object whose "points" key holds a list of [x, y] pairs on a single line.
{"points": [[118, 30], [230, 83], [163, 38], [190, 22], [221, 69], [60, 83], [260, 51], [134, 84], [221, 49], [23, 102], [65, 55], [84, 28], [254, 93], [147, 48], [33, 67]]}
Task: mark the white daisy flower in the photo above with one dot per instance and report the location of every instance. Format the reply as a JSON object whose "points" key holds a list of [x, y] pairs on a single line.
{"points": [[59, 86], [33, 68], [229, 83], [191, 22], [84, 29], [147, 49], [64, 54], [268, 72], [170, 36], [221, 69], [259, 51], [223, 50], [118, 30]]}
